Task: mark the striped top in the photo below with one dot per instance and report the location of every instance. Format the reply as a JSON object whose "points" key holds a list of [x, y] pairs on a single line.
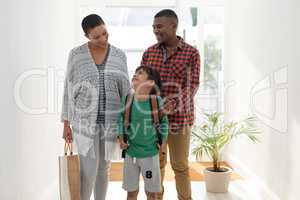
{"points": [[101, 104]]}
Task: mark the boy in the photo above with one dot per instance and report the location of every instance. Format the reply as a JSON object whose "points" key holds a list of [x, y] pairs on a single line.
{"points": [[145, 136]]}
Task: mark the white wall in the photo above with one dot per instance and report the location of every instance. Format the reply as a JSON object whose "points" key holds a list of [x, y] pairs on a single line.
{"points": [[261, 37], [34, 35], [261, 43], [7, 116]]}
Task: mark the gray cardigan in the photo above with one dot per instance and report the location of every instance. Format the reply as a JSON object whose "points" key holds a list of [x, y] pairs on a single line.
{"points": [[81, 97]]}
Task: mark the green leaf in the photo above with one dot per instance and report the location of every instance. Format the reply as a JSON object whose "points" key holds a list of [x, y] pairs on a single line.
{"points": [[214, 134]]}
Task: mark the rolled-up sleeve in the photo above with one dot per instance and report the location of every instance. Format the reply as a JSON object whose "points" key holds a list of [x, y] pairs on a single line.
{"points": [[124, 84], [66, 113]]}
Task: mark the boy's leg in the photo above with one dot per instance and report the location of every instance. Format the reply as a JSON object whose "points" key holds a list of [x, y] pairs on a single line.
{"points": [[151, 195], [132, 195], [150, 170], [162, 163], [131, 175]]}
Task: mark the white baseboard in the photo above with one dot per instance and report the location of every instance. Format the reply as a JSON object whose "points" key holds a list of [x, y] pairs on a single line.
{"points": [[250, 177]]}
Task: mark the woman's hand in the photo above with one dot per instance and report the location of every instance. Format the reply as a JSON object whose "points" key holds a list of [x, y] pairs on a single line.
{"points": [[67, 135], [123, 145]]}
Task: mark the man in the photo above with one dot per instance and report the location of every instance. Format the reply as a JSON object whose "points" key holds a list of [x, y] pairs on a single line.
{"points": [[179, 66]]}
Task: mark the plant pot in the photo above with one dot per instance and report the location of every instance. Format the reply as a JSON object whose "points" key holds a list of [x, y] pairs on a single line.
{"points": [[217, 182]]}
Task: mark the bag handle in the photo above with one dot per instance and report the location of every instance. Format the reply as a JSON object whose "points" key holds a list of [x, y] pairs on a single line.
{"points": [[68, 148]]}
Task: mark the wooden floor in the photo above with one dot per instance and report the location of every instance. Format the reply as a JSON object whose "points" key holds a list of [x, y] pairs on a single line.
{"points": [[196, 173]]}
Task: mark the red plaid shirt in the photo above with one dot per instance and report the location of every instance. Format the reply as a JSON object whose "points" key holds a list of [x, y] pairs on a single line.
{"points": [[180, 75]]}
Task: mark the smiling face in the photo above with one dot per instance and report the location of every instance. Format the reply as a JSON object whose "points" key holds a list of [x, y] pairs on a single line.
{"points": [[98, 36], [164, 28], [140, 81]]}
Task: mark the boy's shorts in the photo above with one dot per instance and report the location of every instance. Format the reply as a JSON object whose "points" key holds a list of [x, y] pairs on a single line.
{"points": [[149, 167]]}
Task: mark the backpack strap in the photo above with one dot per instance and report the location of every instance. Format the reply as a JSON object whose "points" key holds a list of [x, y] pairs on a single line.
{"points": [[127, 114], [156, 116], [127, 119]]}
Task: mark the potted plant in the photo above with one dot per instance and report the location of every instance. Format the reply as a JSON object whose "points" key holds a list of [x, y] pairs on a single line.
{"points": [[211, 138]]}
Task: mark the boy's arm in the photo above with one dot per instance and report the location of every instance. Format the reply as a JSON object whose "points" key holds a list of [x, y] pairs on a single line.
{"points": [[164, 128]]}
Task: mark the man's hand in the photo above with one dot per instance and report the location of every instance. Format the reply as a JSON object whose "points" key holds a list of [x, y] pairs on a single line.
{"points": [[162, 148], [169, 106]]}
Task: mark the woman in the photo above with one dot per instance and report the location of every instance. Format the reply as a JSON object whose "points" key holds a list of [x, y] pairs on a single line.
{"points": [[96, 80]]}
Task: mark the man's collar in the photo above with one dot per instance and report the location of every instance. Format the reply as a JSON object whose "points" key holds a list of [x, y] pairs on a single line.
{"points": [[179, 44]]}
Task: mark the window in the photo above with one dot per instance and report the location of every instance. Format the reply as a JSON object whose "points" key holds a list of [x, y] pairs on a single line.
{"points": [[200, 24], [129, 29], [210, 95]]}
